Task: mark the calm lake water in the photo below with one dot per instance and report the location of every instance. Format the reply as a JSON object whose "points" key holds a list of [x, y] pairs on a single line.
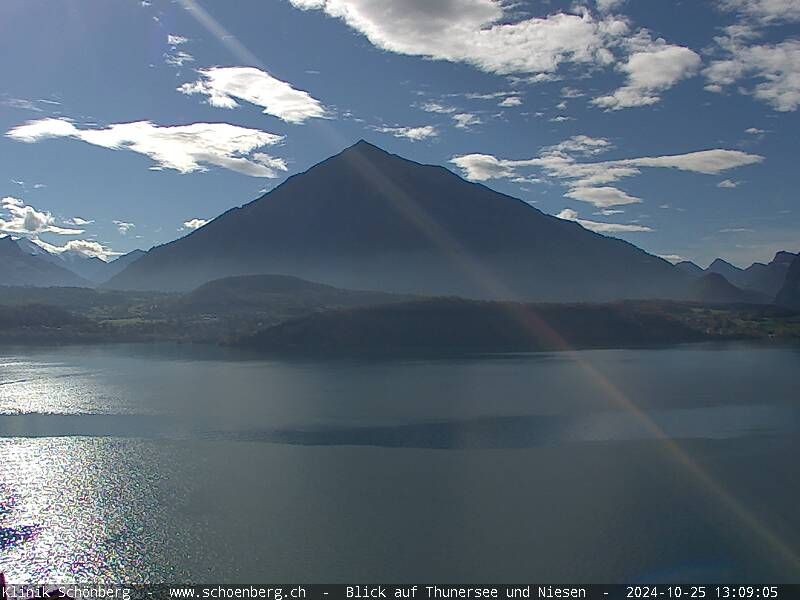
{"points": [[178, 463]]}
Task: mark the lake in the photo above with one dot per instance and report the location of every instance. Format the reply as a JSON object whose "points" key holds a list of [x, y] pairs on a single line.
{"points": [[150, 463]]}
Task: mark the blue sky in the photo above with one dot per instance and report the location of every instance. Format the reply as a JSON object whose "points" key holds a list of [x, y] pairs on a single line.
{"points": [[671, 124]]}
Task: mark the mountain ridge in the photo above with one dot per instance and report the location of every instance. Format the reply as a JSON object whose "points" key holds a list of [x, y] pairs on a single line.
{"points": [[367, 219], [764, 278]]}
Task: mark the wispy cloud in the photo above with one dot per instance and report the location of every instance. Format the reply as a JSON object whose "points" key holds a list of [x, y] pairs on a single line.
{"points": [[728, 183], [223, 85], [599, 227], [510, 101], [466, 120], [177, 57], [183, 148], [588, 181], [78, 221], [414, 134], [124, 227], [435, 107], [602, 196], [736, 230], [767, 12], [609, 5]]}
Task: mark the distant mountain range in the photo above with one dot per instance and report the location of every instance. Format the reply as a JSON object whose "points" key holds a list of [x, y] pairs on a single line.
{"points": [[766, 279], [367, 219], [26, 263], [20, 268]]}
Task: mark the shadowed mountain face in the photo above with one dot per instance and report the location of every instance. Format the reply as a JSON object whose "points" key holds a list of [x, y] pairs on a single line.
{"points": [[731, 273], [690, 268], [366, 219], [790, 292], [20, 268], [769, 278], [714, 288]]}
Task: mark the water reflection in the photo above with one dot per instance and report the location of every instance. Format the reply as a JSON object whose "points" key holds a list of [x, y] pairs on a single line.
{"points": [[132, 464]]}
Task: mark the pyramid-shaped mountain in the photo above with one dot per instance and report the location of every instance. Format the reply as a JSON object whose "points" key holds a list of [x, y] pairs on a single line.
{"points": [[367, 219]]}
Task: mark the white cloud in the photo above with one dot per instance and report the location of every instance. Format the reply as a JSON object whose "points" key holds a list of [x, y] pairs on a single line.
{"points": [[728, 183], [571, 92], [609, 5], [708, 162], [561, 165], [581, 144], [655, 68], [78, 221], [561, 119], [602, 197], [83, 247], [754, 131], [414, 134], [435, 107], [184, 148], [124, 227], [588, 181], [596, 226], [489, 95], [478, 32], [223, 85], [511, 101], [176, 40], [466, 120], [482, 167], [34, 131], [177, 58], [194, 223], [775, 68], [23, 219], [765, 11], [491, 36]]}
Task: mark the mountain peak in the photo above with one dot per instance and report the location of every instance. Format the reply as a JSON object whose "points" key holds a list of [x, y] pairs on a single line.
{"points": [[362, 146], [720, 262], [784, 257]]}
